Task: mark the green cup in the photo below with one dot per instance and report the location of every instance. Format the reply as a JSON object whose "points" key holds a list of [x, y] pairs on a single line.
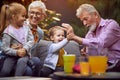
{"points": [[69, 61]]}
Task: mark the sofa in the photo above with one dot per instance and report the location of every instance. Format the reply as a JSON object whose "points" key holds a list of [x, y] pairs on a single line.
{"points": [[71, 48]]}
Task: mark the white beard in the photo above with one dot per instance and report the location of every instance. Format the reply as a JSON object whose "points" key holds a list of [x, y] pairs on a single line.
{"points": [[92, 27]]}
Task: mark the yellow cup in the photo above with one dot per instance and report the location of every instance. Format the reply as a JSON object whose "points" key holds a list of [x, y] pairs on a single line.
{"points": [[98, 64], [69, 61], [84, 66]]}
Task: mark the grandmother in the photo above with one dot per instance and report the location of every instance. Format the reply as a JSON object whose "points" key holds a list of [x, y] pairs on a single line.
{"points": [[36, 13]]}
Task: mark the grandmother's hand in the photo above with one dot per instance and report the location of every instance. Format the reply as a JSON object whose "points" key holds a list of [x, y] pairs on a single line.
{"points": [[16, 46]]}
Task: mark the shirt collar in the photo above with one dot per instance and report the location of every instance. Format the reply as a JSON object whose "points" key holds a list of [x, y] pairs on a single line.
{"points": [[102, 23], [28, 23]]}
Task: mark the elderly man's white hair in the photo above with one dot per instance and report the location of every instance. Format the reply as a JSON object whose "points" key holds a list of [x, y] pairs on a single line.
{"points": [[85, 7], [37, 4]]}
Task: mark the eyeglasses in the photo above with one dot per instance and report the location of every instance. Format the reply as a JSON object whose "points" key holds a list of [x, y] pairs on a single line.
{"points": [[32, 13]]}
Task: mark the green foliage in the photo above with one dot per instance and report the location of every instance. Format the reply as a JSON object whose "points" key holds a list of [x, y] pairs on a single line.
{"points": [[107, 8], [51, 18], [80, 31]]}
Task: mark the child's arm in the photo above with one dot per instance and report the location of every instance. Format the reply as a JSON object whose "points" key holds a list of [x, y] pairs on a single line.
{"points": [[30, 41], [6, 45], [16, 46], [57, 46], [21, 52]]}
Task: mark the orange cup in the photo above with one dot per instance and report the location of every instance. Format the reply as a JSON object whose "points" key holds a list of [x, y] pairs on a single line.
{"points": [[98, 64], [84, 66]]}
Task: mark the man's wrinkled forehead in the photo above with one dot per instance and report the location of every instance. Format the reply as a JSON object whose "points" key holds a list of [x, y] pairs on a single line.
{"points": [[84, 15]]}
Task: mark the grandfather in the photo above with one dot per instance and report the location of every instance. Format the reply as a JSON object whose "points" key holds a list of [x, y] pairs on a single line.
{"points": [[103, 37]]}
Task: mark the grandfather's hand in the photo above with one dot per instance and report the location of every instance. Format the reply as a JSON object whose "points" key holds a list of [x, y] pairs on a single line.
{"points": [[70, 36], [70, 32], [68, 28], [83, 51]]}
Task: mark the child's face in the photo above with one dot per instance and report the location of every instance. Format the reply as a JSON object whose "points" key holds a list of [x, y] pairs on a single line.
{"points": [[20, 18], [58, 36]]}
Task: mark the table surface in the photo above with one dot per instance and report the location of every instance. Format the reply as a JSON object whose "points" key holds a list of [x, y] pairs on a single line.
{"points": [[75, 76], [24, 78]]}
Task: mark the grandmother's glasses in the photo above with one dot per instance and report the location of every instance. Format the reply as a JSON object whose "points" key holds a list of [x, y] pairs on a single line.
{"points": [[38, 14]]}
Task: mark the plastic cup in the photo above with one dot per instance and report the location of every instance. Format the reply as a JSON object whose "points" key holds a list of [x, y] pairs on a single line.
{"points": [[69, 61], [84, 66], [98, 64]]}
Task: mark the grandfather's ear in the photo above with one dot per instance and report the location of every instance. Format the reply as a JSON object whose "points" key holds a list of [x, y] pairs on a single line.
{"points": [[95, 14]]}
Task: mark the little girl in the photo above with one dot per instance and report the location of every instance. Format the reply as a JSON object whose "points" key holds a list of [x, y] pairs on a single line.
{"points": [[54, 59], [17, 39]]}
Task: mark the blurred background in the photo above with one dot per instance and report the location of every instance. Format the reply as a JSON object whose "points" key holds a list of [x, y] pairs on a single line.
{"points": [[63, 11]]}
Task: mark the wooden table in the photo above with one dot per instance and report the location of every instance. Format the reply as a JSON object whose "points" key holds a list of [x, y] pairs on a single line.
{"points": [[73, 76]]}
